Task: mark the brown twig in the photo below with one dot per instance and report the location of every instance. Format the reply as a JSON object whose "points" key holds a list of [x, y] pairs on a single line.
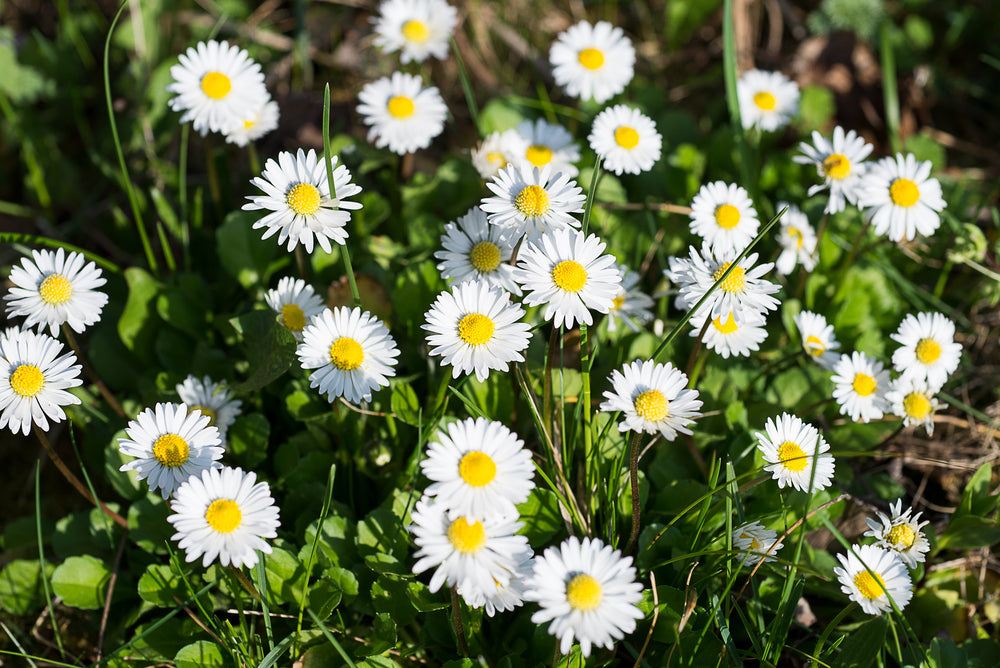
{"points": [[651, 206], [246, 583], [656, 615], [89, 372], [107, 597]]}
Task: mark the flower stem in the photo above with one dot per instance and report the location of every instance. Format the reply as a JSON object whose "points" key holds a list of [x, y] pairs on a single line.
{"points": [[456, 614], [327, 155], [101, 387], [590, 453], [245, 581], [633, 478]]}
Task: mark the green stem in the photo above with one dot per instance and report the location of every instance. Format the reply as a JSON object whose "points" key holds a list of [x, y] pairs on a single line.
{"points": [[890, 91], [470, 99], [588, 437], [327, 155], [41, 560], [456, 614], [182, 162], [594, 178], [830, 627], [633, 478]]}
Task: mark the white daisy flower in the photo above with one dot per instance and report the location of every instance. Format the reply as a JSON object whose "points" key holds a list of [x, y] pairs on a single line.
{"points": [[839, 164], [545, 144], [754, 542], [728, 338], [474, 250], [403, 114], [215, 84], [501, 598], [415, 28], [913, 401], [901, 534], [54, 289], [768, 100], [570, 275], [170, 444], [723, 215], [901, 199], [224, 513], [744, 294], [818, 339], [213, 399], [351, 351], [631, 305], [792, 450], [871, 590], [592, 62], [498, 150], [254, 125], [468, 552], [531, 201], [479, 468], [588, 591], [476, 328], [861, 383], [627, 139], [34, 378], [652, 399], [297, 193], [927, 348], [296, 302], [797, 239]]}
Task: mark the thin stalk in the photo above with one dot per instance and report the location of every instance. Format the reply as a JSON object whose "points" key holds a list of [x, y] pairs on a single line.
{"points": [[633, 479], [594, 178], [328, 156], [41, 560], [324, 510], [15, 238], [590, 454], [696, 349], [829, 628], [456, 614], [470, 99], [842, 276], [890, 91], [245, 581], [182, 161], [253, 157], [548, 421], [101, 387]]}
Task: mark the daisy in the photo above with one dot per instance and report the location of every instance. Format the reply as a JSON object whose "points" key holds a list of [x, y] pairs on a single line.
{"points": [[297, 193], [531, 201], [224, 513], [545, 144], [652, 399], [913, 401], [631, 305], [861, 383], [501, 598], [34, 379], [254, 125], [753, 542], [723, 215], [170, 444], [888, 577], [479, 468], [415, 28], [797, 239], [839, 164], [476, 328], [54, 289], [627, 139], [901, 533], [403, 114], [570, 275], [351, 351], [768, 100], [215, 84], [900, 198], [468, 552], [296, 302], [212, 399], [818, 339], [927, 349], [592, 62], [474, 250], [792, 450], [498, 150], [744, 294], [588, 591], [728, 338]]}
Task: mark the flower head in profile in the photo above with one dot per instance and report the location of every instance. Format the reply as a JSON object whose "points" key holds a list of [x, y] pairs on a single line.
{"points": [[796, 454], [404, 115], [544, 144], [755, 543], [900, 533], [592, 62], [474, 250], [723, 215], [652, 399], [296, 302], [255, 123], [860, 386], [627, 139], [817, 338], [531, 201], [927, 348], [885, 576], [901, 199], [913, 400], [56, 288], [632, 305], [34, 379], [213, 399], [768, 100], [415, 28], [840, 163], [797, 239]]}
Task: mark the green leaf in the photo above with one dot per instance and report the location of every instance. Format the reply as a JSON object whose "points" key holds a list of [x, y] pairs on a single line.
{"points": [[199, 654], [285, 576], [138, 323], [976, 499], [81, 582], [500, 113], [970, 532], [324, 597], [816, 108], [336, 540], [381, 532], [162, 586], [244, 255], [860, 648], [125, 483], [21, 587], [270, 348], [383, 637], [541, 517], [405, 403], [422, 598], [21, 84], [247, 438], [147, 523]]}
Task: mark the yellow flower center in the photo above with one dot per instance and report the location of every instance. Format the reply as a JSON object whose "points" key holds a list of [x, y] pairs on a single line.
{"points": [[795, 234], [475, 329], [171, 450], [303, 199], [477, 469], [727, 327], [617, 302], [591, 58], [814, 346], [735, 282], [901, 536], [792, 456], [346, 354], [249, 123], [754, 543], [928, 351], [904, 192], [466, 537], [400, 106], [837, 166], [864, 384], [205, 410], [538, 155], [293, 317], [216, 85], [485, 256], [416, 31], [532, 201], [870, 587], [764, 100], [27, 380], [584, 592], [224, 515], [55, 289], [727, 216], [569, 275], [626, 137], [651, 405], [497, 159], [917, 405]]}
